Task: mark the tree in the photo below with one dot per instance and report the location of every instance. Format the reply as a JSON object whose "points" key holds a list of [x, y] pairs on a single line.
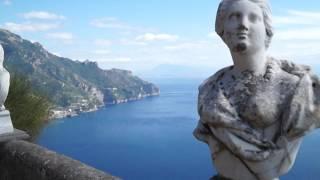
{"points": [[28, 108]]}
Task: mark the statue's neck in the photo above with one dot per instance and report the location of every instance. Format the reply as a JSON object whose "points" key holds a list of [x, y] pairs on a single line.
{"points": [[254, 62]]}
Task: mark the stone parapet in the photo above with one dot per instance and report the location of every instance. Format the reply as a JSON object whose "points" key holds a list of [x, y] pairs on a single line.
{"points": [[21, 160]]}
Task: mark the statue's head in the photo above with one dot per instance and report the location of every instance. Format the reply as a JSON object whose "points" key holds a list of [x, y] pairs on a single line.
{"points": [[244, 24]]}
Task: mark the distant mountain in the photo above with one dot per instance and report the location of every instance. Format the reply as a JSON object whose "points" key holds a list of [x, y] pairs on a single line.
{"points": [[71, 83]]}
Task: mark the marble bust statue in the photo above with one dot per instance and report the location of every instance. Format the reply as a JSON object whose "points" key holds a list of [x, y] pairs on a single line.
{"points": [[5, 120], [254, 114]]}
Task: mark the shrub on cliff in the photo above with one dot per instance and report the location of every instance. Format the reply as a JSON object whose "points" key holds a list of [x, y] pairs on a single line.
{"points": [[28, 109]]}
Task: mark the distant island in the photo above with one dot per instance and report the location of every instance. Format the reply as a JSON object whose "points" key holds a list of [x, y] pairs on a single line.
{"points": [[72, 86]]}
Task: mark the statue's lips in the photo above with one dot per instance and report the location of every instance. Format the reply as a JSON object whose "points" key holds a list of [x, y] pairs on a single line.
{"points": [[242, 35]]}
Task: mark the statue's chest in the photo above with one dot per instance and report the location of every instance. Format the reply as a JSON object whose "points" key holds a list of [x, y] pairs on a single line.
{"points": [[260, 102]]}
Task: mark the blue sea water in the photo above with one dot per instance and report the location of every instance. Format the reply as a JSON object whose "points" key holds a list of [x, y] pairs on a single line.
{"points": [[152, 138]]}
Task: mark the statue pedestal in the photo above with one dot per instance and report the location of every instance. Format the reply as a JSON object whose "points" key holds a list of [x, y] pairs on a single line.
{"points": [[7, 132], [5, 122]]}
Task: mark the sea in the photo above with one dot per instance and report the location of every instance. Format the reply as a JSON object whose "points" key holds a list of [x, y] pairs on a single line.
{"points": [[152, 139]]}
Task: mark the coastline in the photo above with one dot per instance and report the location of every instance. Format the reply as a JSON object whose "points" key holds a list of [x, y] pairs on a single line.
{"points": [[71, 111]]}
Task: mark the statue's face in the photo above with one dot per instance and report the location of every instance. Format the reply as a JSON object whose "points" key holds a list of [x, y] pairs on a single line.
{"points": [[244, 29]]}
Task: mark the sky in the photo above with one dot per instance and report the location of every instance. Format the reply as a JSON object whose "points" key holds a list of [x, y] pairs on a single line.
{"points": [[155, 36]]}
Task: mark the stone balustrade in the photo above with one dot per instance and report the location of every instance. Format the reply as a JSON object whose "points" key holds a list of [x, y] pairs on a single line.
{"points": [[22, 160]]}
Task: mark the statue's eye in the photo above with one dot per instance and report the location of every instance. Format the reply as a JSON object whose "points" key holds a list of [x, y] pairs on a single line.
{"points": [[254, 18], [234, 16]]}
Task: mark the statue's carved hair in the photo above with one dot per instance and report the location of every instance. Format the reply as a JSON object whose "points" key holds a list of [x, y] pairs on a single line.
{"points": [[263, 4]]}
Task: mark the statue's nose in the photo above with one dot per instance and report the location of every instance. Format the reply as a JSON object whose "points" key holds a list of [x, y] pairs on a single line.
{"points": [[242, 27], [243, 24]]}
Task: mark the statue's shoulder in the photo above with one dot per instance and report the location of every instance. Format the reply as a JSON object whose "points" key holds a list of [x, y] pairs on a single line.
{"points": [[296, 72], [213, 79], [293, 68]]}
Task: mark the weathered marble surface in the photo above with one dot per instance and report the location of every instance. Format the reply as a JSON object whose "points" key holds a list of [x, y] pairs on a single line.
{"points": [[255, 124], [254, 114], [5, 120]]}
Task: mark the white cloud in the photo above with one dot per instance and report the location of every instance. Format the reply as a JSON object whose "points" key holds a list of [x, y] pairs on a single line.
{"points": [[128, 42], [291, 20], [184, 46], [122, 59], [294, 17], [101, 52], [294, 48], [115, 59], [204, 58], [42, 15], [7, 2], [299, 34], [214, 36], [56, 54], [305, 14], [147, 37], [30, 27], [109, 22], [114, 23], [102, 42], [61, 36]]}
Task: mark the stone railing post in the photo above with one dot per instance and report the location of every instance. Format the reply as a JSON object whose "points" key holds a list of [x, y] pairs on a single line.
{"points": [[7, 132]]}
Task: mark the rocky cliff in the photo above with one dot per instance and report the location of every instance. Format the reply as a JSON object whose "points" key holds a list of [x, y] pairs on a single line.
{"points": [[69, 83]]}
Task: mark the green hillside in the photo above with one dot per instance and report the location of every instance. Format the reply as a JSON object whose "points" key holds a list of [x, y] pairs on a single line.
{"points": [[70, 83]]}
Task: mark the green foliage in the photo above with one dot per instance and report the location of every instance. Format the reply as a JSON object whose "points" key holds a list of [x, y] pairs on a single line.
{"points": [[28, 109]]}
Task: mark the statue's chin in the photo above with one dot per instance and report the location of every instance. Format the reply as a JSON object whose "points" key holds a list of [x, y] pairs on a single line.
{"points": [[241, 47]]}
